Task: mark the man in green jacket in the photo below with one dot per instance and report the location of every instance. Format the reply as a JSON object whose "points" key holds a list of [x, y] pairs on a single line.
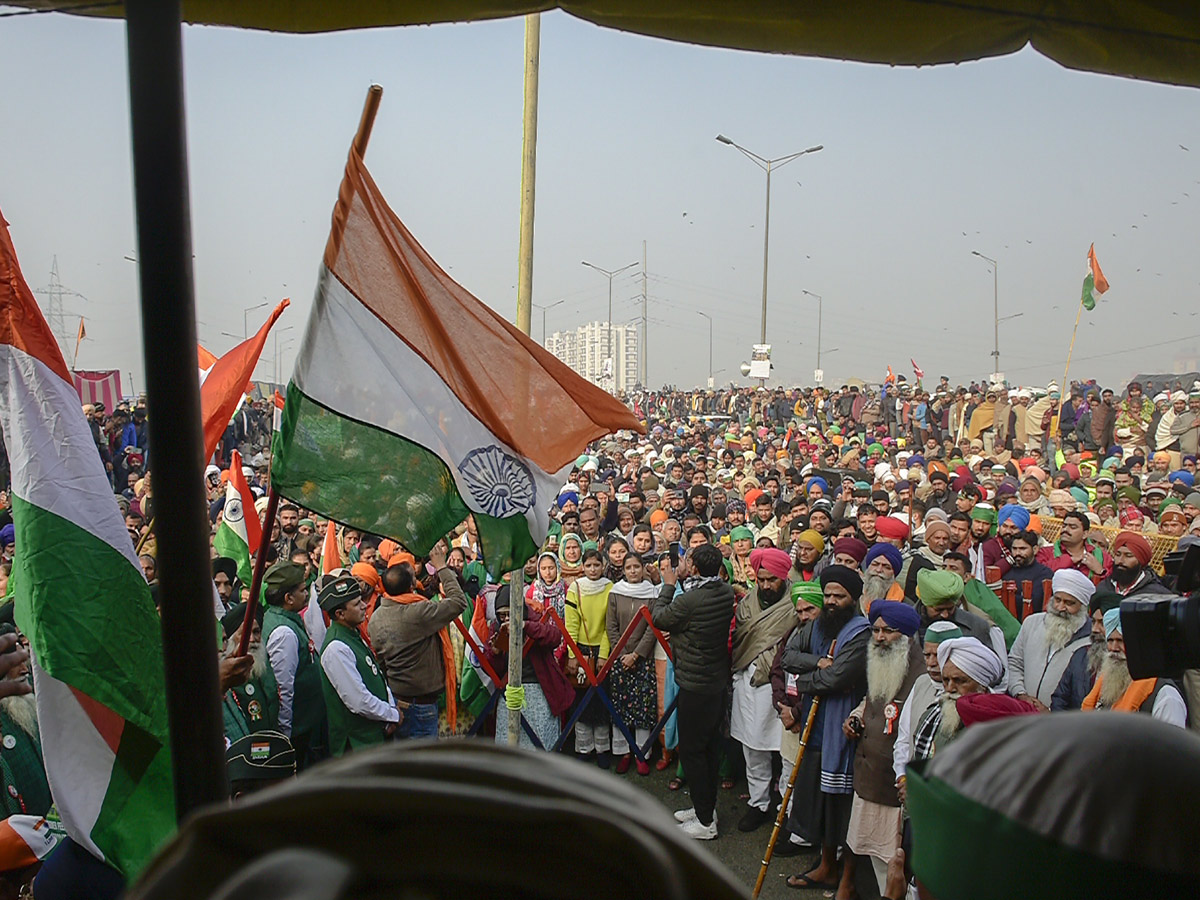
{"points": [[359, 703], [294, 662], [254, 706]]}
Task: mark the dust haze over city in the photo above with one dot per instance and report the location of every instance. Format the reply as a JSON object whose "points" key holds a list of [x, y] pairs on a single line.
{"points": [[1016, 158]]}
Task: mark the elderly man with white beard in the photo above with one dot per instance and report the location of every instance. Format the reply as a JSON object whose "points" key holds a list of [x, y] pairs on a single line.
{"points": [[894, 663], [1115, 689], [881, 566], [26, 790], [253, 706], [1048, 639], [968, 667], [925, 693]]}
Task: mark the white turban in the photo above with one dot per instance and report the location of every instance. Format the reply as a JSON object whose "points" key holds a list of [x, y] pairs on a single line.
{"points": [[882, 471], [977, 661], [1075, 583], [1179, 397]]}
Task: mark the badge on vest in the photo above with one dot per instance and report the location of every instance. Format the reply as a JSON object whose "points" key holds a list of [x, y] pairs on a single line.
{"points": [[891, 713], [9, 742], [254, 708], [249, 690], [371, 666]]}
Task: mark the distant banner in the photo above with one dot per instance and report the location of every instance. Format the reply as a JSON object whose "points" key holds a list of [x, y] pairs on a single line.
{"points": [[99, 387]]}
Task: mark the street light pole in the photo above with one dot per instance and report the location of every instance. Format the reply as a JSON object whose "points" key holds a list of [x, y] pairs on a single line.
{"points": [[767, 165], [609, 331], [995, 310], [245, 312], [820, 315], [543, 309], [710, 345]]}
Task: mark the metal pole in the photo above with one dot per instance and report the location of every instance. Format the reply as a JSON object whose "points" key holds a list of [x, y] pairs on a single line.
{"points": [[157, 117], [645, 350], [533, 33], [996, 313], [766, 247], [710, 344], [820, 316]]}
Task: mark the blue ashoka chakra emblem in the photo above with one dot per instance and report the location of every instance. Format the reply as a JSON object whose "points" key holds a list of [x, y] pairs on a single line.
{"points": [[500, 484]]}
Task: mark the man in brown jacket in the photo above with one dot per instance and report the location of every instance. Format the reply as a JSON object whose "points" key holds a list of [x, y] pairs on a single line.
{"points": [[408, 635], [894, 662]]}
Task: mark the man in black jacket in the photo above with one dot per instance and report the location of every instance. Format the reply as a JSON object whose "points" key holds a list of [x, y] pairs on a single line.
{"points": [[698, 617]]}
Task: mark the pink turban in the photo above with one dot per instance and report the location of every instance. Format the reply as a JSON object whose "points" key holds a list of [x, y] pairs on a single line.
{"points": [[777, 562]]}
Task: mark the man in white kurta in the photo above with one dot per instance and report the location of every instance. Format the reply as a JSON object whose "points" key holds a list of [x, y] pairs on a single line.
{"points": [[763, 617]]}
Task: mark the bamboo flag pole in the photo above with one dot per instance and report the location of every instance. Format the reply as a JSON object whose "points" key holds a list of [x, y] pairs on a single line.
{"points": [[787, 796], [514, 692], [361, 137], [1064, 392]]}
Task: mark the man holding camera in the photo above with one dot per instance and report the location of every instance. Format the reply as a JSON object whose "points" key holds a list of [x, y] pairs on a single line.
{"points": [[698, 615]]}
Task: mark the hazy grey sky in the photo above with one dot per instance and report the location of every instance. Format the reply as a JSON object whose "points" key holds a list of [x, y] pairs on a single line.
{"points": [[1016, 157]]}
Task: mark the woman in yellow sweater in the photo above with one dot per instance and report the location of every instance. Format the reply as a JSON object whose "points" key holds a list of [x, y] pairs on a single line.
{"points": [[587, 610]]}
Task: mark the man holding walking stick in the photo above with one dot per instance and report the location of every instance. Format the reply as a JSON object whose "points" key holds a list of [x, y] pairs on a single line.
{"points": [[825, 780]]}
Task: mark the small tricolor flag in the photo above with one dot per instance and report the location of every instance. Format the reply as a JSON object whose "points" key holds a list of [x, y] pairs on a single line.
{"points": [[1094, 281], [240, 532]]}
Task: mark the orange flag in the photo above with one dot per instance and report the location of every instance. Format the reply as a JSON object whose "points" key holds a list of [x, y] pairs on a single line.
{"points": [[1097, 276], [330, 557], [228, 380]]}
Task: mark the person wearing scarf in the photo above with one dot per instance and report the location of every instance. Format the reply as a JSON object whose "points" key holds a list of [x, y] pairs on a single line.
{"points": [[549, 589], [409, 637], [762, 619], [1115, 689], [809, 549], [838, 676], [586, 622], [371, 583], [570, 558], [615, 550], [632, 683], [742, 541]]}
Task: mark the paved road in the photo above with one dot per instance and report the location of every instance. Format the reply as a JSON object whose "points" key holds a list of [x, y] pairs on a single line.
{"points": [[741, 853]]}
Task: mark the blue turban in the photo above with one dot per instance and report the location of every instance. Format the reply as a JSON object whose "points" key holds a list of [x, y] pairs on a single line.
{"points": [[1018, 514], [1182, 475], [896, 615], [817, 479], [1112, 621], [8, 535], [916, 460], [567, 496], [888, 552]]}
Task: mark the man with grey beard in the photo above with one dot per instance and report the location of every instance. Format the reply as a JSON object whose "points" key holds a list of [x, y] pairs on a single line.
{"points": [[253, 706], [880, 568], [1115, 689], [894, 663], [1076, 682], [26, 790], [967, 667], [1048, 639]]}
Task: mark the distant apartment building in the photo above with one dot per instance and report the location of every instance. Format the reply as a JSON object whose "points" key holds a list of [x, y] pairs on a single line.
{"points": [[587, 350]]}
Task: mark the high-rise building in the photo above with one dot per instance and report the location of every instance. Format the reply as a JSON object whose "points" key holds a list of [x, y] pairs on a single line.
{"points": [[586, 350]]}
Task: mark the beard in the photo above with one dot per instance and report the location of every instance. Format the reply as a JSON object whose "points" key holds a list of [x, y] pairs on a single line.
{"points": [[771, 597], [1115, 679], [951, 721], [261, 661], [1096, 652], [875, 587], [1125, 576], [834, 618], [1060, 627], [22, 709], [887, 667]]}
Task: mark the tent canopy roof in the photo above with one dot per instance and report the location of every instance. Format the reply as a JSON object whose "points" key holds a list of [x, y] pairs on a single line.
{"points": [[1153, 40]]}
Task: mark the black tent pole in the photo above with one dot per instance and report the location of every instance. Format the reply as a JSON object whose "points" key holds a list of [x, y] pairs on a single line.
{"points": [[155, 47]]}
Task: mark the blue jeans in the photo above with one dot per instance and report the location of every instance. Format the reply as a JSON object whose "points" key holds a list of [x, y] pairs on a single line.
{"points": [[420, 721]]}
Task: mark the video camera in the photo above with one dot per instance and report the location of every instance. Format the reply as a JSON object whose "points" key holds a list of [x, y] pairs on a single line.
{"points": [[1162, 636]]}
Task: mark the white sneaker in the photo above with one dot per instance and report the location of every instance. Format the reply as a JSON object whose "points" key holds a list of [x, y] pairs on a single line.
{"points": [[685, 815], [700, 832]]}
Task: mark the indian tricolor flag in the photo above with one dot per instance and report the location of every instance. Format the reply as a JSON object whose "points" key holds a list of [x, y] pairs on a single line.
{"points": [[413, 404], [1093, 281], [240, 532], [82, 601]]}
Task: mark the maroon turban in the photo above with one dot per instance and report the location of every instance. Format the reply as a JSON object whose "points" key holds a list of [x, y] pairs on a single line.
{"points": [[774, 561], [975, 708], [852, 547]]}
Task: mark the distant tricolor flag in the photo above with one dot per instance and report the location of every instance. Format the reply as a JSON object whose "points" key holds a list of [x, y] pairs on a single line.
{"points": [[460, 413], [95, 640], [1094, 280], [240, 532]]}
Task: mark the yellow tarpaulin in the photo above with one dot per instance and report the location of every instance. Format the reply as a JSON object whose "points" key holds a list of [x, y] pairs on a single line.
{"points": [[1154, 41]]}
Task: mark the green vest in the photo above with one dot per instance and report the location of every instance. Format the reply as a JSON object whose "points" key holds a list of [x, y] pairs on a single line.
{"points": [[26, 791], [308, 703], [251, 707], [347, 730]]}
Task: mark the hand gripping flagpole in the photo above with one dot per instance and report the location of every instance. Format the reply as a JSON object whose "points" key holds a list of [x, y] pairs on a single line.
{"points": [[787, 796], [361, 137]]}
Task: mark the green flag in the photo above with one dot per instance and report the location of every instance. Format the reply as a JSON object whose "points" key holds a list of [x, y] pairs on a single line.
{"points": [[1089, 299]]}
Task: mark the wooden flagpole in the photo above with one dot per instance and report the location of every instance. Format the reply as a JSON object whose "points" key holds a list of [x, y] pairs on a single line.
{"points": [[1063, 388]]}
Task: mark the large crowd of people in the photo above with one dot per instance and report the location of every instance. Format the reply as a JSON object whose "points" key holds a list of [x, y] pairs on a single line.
{"points": [[878, 567]]}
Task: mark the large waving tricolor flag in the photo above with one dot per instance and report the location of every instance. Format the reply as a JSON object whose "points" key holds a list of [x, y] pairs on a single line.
{"points": [[240, 532], [413, 404], [82, 601]]}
